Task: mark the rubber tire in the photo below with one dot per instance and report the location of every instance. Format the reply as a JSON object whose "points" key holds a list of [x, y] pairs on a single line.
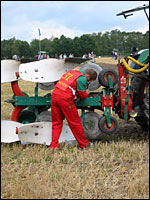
{"points": [[45, 116], [142, 107], [46, 86], [102, 77], [94, 85], [26, 116], [91, 118], [102, 124]]}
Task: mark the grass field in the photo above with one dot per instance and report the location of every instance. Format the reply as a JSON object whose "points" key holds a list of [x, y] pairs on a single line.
{"points": [[116, 168]]}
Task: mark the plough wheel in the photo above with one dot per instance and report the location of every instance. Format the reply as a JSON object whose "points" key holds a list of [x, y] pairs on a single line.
{"points": [[103, 77], [26, 116], [103, 125], [91, 129], [45, 116]]}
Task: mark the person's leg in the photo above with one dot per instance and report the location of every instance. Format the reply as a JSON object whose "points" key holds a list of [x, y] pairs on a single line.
{"points": [[57, 122], [74, 121]]}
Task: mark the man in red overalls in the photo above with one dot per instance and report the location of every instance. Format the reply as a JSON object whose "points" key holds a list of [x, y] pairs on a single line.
{"points": [[62, 104]]}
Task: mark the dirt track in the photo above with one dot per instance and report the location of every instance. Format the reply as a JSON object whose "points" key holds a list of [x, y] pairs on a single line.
{"points": [[107, 63]]}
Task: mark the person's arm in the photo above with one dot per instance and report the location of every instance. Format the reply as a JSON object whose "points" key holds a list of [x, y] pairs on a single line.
{"points": [[82, 90]]}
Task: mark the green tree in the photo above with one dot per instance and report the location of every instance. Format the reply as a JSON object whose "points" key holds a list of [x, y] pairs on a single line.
{"points": [[34, 46], [102, 44]]}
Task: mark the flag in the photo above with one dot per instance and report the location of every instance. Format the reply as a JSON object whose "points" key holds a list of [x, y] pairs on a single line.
{"points": [[39, 32]]}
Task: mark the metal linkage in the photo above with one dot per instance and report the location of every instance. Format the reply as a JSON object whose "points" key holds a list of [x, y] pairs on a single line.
{"points": [[107, 104], [125, 93], [124, 13]]}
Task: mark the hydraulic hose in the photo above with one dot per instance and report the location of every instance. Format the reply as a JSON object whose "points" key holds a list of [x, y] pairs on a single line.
{"points": [[144, 66]]}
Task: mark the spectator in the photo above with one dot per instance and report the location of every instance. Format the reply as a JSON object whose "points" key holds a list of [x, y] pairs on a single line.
{"points": [[60, 56], [70, 55], [65, 56]]}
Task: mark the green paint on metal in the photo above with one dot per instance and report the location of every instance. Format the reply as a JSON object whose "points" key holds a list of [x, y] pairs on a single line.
{"points": [[104, 92], [107, 117], [83, 116], [144, 56], [32, 101], [89, 101], [126, 107], [107, 112], [110, 82], [108, 120], [126, 103]]}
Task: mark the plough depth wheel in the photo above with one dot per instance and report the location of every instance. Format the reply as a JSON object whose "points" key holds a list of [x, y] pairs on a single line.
{"points": [[104, 127], [103, 77], [26, 116], [91, 129]]}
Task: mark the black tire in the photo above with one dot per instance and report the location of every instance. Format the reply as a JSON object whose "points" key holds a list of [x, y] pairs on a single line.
{"points": [[103, 80], [45, 116], [91, 128], [103, 125], [94, 85], [141, 101], [26, 116]]}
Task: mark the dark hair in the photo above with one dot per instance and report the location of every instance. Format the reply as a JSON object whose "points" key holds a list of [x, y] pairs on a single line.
{"points": [[92, 73]]}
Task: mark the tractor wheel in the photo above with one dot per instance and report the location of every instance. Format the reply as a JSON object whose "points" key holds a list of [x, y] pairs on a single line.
{"points": [[94, 85], [103, 77], [91, 128], [103, 125], [141, 101], [45, 116], [26, 116]]}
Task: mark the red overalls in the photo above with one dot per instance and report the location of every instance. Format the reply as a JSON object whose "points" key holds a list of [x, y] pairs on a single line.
{"points": [[62, 104]]}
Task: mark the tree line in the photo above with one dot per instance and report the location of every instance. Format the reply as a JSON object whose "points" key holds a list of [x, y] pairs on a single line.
{"points": [[101, 44]]}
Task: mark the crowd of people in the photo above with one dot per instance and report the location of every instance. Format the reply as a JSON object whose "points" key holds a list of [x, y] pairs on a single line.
{"points": [[88, 55], [63, 56]]}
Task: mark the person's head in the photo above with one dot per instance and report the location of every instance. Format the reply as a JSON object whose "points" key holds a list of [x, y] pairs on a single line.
{"points": [[90, 74]]}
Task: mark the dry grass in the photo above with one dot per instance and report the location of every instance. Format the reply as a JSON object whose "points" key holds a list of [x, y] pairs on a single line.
{"points": [[116, 168], [107, 171]]}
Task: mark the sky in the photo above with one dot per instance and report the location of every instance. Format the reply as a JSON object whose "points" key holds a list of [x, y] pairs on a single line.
{"points": [[22, 19]]}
